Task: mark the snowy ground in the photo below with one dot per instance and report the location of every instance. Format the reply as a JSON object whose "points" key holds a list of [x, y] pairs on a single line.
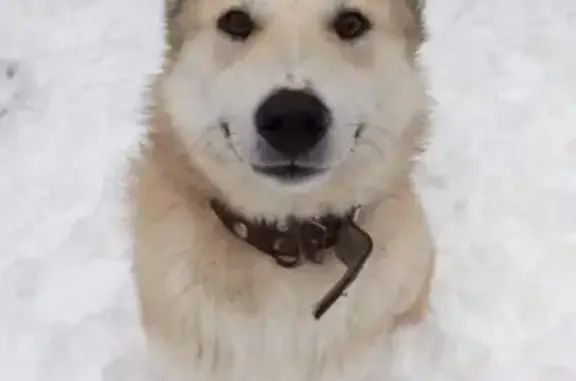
{"points": [[499, 183]]}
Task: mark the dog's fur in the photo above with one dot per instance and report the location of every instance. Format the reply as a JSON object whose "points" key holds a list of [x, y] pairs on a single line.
{"points": [[221, 310]]}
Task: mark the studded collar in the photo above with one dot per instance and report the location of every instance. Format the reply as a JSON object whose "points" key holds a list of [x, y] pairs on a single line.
{"points": [[306, 241]]}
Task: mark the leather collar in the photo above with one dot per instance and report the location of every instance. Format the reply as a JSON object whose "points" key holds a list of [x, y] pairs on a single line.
{"points": [[306, 241]]}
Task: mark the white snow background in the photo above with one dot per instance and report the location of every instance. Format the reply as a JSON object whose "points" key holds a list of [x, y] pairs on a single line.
{"points": [[499, 183]]}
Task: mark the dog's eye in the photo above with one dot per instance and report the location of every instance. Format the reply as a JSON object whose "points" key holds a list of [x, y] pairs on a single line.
{"points": [[350, 24], [237, 24]]}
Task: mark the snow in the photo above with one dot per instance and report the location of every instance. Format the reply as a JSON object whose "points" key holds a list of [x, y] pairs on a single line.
{"points": [[499, 183]]}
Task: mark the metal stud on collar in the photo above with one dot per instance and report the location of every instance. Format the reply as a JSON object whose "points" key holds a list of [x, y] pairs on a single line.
{"points": [[283, 226], [241, 230], [356, 214]]}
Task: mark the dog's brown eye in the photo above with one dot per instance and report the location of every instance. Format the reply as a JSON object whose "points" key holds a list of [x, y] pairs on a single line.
{"points": [[350, 24], [237, 24]]}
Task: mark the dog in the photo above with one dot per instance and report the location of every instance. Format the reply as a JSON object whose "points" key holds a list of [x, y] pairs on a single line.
{"points": [[278, 235]]}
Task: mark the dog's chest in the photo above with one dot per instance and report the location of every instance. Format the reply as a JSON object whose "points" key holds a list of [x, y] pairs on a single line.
{"points": [[261, 325], [229, 313]]}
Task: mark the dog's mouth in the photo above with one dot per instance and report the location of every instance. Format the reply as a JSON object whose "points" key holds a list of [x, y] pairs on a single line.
{"points": [[289, 172]]}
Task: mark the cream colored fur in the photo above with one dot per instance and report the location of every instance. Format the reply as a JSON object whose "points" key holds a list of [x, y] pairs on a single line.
{"points": [[216, 309]]}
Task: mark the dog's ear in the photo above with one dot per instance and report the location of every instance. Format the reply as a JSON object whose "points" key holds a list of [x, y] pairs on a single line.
{"points": [[178, 20], [416, 29], [172, 8]]}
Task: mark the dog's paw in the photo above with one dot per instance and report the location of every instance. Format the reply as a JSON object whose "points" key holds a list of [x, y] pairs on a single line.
{"points": [[10, 84]]}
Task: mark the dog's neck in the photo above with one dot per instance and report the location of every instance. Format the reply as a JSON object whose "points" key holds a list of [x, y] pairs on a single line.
{"points": [[298, 241], [292, 242]]}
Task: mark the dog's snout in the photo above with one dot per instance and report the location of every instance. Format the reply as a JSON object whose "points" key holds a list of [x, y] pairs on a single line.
{"points": [[292, 121]]}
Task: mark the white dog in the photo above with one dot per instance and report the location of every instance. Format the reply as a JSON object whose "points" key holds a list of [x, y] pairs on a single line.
{"points": [[278, 236]]}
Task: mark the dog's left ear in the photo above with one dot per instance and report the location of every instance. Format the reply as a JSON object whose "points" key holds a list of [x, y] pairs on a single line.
{"points": [[172, 8], [179, 18]]}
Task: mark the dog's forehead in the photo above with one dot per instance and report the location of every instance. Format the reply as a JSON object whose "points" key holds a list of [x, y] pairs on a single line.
{"points": [[401, 16], [296, 5]]}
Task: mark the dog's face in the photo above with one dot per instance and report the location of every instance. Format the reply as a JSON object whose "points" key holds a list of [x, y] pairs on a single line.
{"points": [[295, 106]]}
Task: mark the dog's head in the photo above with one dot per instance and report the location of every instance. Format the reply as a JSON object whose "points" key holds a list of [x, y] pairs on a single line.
{"points": [[295, 106]]}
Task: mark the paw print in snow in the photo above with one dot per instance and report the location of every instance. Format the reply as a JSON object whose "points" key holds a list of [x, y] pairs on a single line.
{"points": [[10, 85]]}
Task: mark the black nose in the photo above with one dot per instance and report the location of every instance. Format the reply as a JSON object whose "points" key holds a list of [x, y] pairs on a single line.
{"points": [[292, 121]]}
